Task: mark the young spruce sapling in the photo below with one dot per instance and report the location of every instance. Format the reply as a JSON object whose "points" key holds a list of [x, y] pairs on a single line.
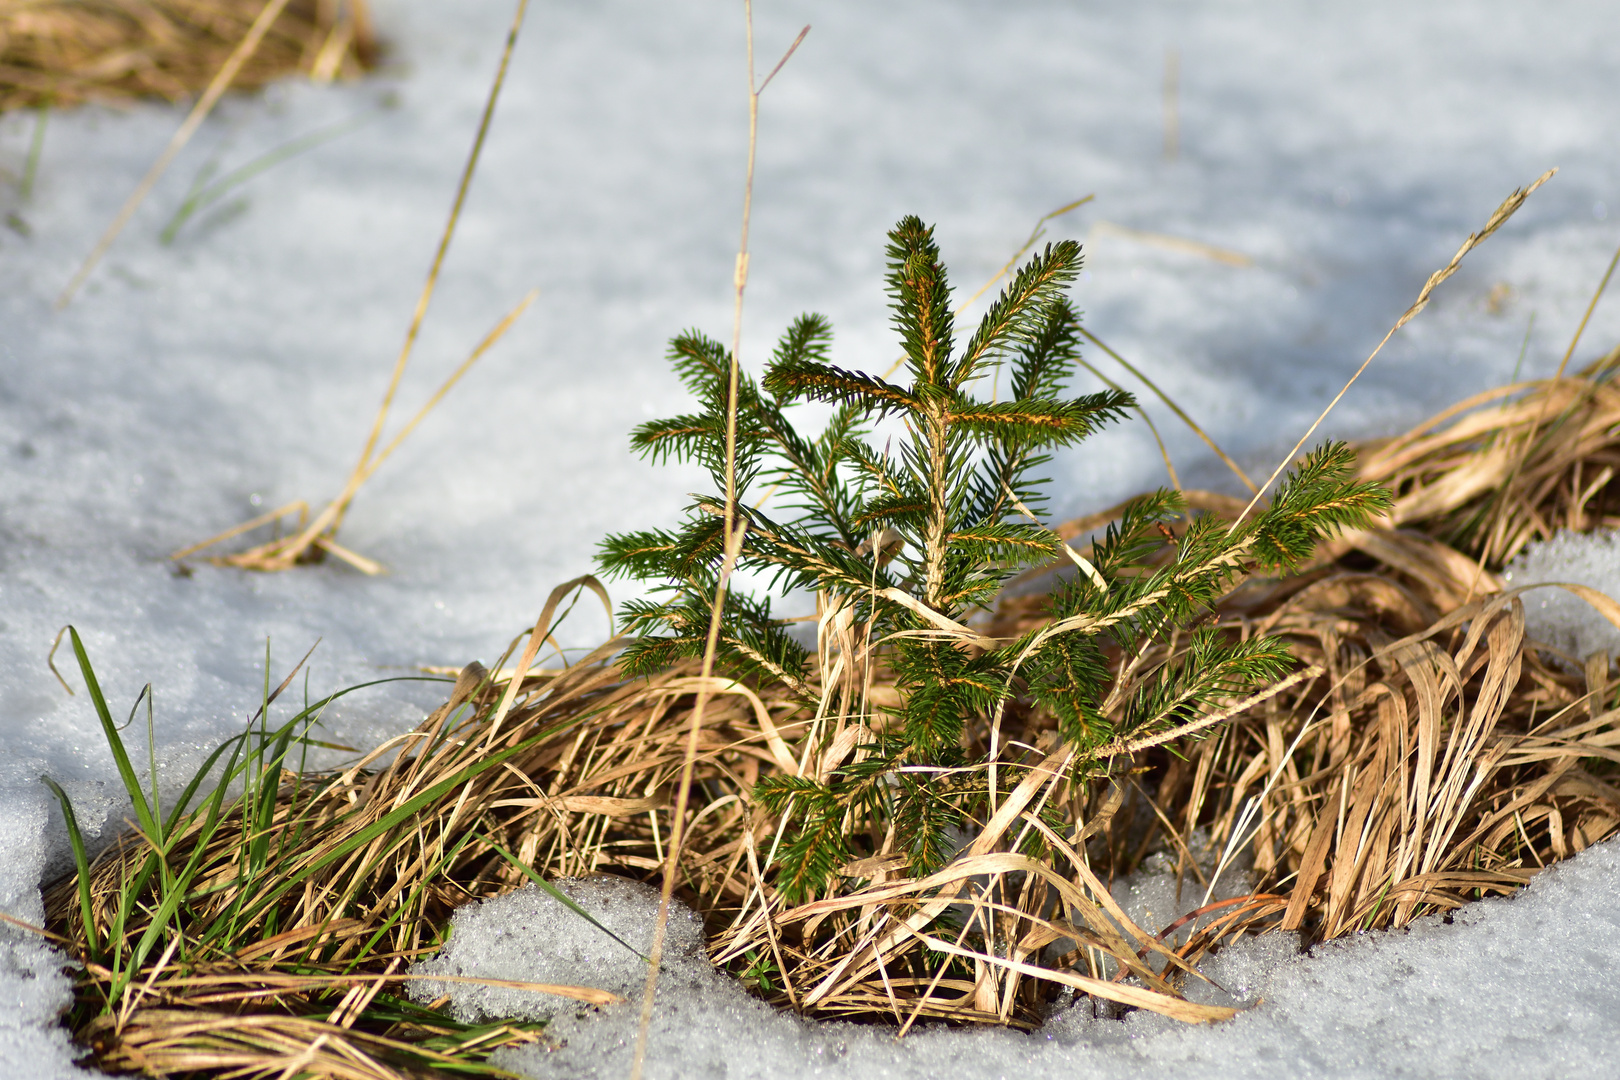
{"points": [[910, 537]]}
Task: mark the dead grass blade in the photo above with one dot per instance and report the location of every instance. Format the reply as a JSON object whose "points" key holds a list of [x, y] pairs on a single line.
{"points": [[1035, 235], [318, 538], [1587, 315], [299, 507], [1181, 414], [428, 287], [1508, 466], [168, 1041], [1176, 243]]}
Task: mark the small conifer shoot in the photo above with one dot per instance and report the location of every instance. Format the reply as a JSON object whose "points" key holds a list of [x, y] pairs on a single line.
{"points": [[906, 543]]}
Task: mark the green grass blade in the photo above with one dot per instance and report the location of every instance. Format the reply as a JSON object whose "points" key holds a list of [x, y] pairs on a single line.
{"points": [[126, 771], [81, 863], [159, 841], [196, 782], [204, 194], [400, 910], [398, 816], [36, 150]]}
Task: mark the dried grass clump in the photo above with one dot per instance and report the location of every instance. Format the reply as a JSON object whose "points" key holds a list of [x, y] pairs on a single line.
{"points": [[1436, 753], [1424, 752], [1511, 465], [69, 52], [259, 936], [1425, 763]]}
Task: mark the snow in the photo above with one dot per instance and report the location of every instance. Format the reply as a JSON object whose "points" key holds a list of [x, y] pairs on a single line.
{"points": [[1457, 998], [530, 936], [1557, 616], [1347, 148]]}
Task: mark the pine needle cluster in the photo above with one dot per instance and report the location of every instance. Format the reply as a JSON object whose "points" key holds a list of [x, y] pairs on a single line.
{"points": [[906, 540]]}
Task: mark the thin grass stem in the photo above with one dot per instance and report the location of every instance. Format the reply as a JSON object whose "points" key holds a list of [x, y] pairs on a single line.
{"points": [[36, 152], [732, 537], [1494, 222], [1177, 409], [205, 105]]}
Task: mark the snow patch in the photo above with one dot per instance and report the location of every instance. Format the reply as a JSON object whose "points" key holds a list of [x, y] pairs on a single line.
{"points": [[1557, 616], [1485, 993]]}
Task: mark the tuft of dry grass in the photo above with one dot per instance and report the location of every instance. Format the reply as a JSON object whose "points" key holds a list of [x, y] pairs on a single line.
{"points": [[1436, 756], [1511, 465], [239, 931], [1431, 752], [1424, 752], [69, 52]]}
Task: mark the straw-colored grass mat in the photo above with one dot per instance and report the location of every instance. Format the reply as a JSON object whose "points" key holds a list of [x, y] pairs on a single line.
{"points": [[1424, 752], [69, 52]]}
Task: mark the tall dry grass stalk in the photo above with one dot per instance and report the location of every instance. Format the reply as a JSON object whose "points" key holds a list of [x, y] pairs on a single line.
{"points": [[731, 546], [1172, 104], [1498, 218], [312, 540]]}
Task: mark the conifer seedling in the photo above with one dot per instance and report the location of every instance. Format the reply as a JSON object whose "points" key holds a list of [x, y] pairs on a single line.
{"points": [[906, 515]]}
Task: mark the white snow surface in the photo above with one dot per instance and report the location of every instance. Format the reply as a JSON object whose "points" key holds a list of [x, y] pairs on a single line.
{"points": [[530, 936], [1347, 148], [1457, 998], [1557, 616]]}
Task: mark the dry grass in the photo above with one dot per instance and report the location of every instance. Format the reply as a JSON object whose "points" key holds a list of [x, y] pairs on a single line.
{"points": [[1426, 752], [69, 52], [311, 541], [1511, 465], [570, 771], [299, 903], [1441, 754]]}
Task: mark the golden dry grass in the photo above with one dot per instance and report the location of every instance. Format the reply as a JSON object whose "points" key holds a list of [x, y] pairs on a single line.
{"points": [[1511, 465], [69, 52], [1441, 754], [1425, 752]]}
